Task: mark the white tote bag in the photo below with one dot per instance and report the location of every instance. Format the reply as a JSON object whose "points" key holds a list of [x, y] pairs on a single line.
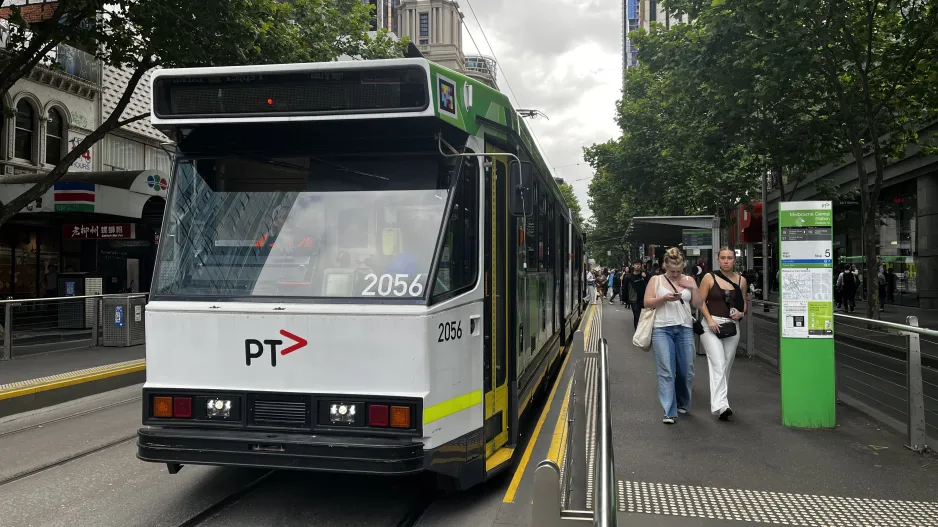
{"points": [[646, 323]]}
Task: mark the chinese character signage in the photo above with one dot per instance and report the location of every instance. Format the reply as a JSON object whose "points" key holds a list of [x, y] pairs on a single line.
{"points": [[98, 231]]}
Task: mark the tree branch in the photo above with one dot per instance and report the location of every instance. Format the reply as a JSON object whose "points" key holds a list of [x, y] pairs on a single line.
{"points": [[111, 123]]}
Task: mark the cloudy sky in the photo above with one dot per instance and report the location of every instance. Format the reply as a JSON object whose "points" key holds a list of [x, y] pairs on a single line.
{"points": [[561, 57]]}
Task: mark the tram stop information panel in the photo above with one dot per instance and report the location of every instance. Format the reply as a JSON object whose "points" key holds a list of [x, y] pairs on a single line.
{"points": [[806, 318]]}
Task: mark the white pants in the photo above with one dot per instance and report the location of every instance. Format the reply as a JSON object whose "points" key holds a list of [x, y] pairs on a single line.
{"points": [[591, 293], [720, 355]]}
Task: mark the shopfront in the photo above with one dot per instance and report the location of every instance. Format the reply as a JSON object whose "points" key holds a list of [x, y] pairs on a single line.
{"points": [[99, 230]]}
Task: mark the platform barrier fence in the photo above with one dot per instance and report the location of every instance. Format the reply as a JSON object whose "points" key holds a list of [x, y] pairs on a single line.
{"points": [[582, 487], [42, 325], [886, 370]]}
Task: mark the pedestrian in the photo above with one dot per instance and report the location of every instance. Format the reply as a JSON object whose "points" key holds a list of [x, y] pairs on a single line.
{"points": [[633, 288], [672, 294], [614, 284], [849, 283], [590, 287], [725, 304]]}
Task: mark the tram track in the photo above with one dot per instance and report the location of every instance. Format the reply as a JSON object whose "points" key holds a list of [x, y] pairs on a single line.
{"points": [[410, 518], [68, 459], [70, 416]]}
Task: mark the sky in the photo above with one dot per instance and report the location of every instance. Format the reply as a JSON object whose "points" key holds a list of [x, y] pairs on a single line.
{"points": [[562, 57]]}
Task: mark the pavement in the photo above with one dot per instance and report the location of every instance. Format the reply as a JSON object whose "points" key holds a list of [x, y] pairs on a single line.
{"points": [[753, 469], [47, 364]]}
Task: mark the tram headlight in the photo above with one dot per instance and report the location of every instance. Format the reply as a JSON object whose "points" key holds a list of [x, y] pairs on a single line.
{"points": [[342, 413], [218, 408]]}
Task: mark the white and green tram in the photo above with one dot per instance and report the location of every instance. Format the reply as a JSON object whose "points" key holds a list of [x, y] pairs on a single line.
{"points": [[364, 267]]}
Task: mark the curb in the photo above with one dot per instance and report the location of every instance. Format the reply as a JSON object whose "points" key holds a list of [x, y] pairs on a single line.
{"points": [[25, 396]]}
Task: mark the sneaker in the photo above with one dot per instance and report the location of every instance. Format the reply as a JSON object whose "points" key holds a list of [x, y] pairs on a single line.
{"points": [[681, 410], [725, 415], [668, 420]]}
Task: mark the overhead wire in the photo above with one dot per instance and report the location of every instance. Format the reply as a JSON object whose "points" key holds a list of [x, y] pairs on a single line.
{"points": [[498, 64]]}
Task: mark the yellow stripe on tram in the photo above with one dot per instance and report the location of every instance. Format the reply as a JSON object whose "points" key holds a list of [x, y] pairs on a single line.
{"points": [[452, 406]]}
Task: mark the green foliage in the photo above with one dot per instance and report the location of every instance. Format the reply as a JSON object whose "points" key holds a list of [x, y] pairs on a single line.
{"points": [[140, 35], [777, 86], [573, 204]]}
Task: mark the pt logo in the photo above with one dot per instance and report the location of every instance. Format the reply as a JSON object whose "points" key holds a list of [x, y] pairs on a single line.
{"points": [[254, 349]]}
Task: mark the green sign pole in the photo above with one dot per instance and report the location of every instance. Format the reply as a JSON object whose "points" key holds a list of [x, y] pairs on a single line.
{"points": [[806, 320]]}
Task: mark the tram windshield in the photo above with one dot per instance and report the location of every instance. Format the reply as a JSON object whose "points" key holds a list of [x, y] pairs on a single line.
{"points": [[353, 227]]}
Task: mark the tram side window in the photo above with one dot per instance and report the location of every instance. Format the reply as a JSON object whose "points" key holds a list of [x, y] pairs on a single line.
{"points": [[542, 230], [530, 234], [459, 260]]}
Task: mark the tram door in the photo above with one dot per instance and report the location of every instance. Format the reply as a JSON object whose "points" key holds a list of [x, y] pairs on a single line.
{"points": [[496, 312]]}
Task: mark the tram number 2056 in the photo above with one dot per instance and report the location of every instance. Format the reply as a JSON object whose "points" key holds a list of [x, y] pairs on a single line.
{"points": [[450, 331]]}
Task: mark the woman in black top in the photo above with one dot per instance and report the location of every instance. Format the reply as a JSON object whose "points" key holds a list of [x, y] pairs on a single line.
{"points": [[725, 304]]}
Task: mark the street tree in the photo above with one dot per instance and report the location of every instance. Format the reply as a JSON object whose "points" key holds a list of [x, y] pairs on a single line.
{"points": [[140, 36], [569, 197], [860, 71]]}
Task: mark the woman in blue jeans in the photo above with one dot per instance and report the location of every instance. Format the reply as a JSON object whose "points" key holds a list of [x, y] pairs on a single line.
{"points": [[672, 294]]}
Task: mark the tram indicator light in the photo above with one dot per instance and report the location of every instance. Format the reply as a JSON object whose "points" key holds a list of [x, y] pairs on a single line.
{"points": [[400, 417], [378, 415], [162, 407], [182, 407]]}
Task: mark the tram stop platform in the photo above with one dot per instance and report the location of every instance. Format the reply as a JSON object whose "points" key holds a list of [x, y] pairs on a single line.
{"points": [[35, 381], [701, 471]]}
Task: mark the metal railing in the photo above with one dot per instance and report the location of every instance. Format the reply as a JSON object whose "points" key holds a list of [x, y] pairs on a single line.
{"points": [[42, 325], [551, 489], [880, 373]]}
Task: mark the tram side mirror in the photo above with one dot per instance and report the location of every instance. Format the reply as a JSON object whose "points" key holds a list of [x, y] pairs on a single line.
{"points": [[521, 184]]}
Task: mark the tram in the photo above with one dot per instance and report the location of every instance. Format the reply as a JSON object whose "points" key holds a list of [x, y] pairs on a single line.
{"points": [[364, 266]]}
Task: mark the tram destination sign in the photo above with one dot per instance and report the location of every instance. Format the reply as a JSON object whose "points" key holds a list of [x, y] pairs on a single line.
{"points": [[318, 92]]}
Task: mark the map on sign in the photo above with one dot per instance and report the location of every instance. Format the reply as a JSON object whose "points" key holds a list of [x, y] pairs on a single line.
{"points": [[807, 284]]}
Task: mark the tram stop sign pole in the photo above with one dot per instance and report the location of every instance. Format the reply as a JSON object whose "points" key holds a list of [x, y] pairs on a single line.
{"points": [[806, 320]]}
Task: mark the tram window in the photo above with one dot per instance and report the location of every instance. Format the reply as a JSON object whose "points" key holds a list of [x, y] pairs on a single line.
{"points": [[459, 260], [530, 235], [541, 229]]}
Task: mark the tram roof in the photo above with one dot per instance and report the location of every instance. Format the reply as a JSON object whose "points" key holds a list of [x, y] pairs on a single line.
{"points": [[456, 99]]}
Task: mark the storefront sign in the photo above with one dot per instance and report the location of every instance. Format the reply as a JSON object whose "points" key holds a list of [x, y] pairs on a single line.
{"points": [[96, 231], [83, 163]]}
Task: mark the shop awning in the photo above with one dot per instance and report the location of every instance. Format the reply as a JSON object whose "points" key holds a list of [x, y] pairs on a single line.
{"points": [[119, 193]]}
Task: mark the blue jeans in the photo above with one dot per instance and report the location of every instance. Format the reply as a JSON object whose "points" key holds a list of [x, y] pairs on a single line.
{"points": [[674, 357]]}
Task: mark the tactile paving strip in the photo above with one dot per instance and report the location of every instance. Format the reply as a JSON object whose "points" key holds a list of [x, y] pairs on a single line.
{"points": [[19, 385], [777, 508]]}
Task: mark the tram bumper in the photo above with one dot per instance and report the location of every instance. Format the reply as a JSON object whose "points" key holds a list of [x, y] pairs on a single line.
{"points": [[362, 455]]}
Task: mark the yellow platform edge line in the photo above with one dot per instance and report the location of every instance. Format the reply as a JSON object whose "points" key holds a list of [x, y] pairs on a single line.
{"points": [[558, 442], [589, 326], [526, 457], [73, 380]]}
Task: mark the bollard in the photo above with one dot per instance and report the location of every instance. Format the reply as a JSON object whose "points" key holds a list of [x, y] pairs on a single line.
{"points": [[917, 437], [95, 317], [7, 352], [750, 338]]}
